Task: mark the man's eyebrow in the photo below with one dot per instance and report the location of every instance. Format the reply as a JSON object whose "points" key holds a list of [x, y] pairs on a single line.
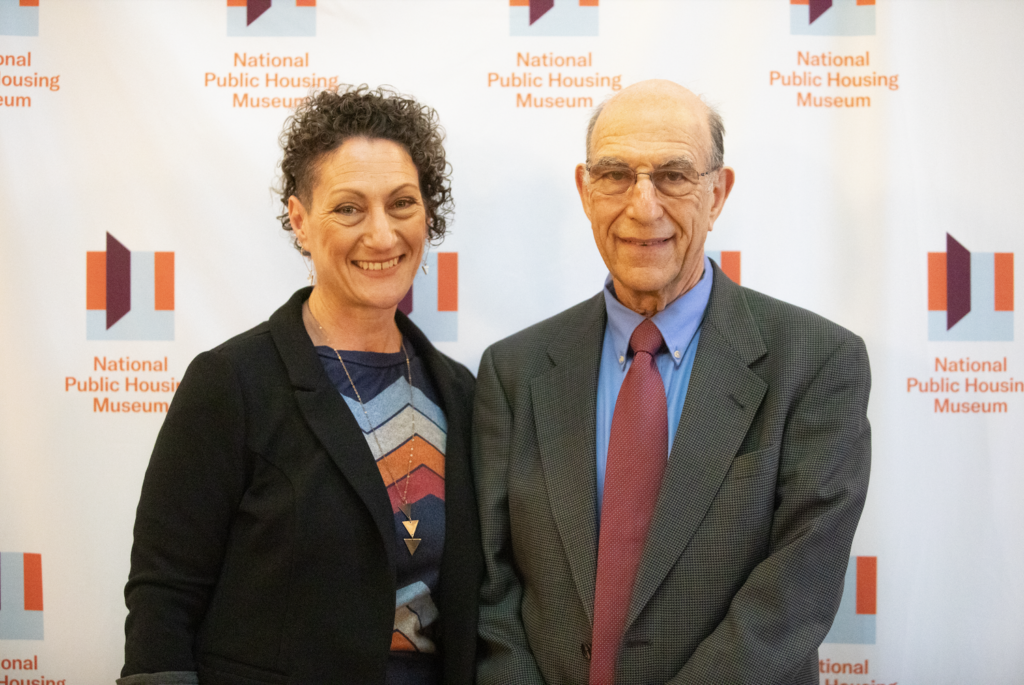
{"points": [[610, 161], [682, 163]]}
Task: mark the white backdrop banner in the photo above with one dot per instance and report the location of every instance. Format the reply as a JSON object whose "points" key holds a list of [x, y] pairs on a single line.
{"points": [[876, 145]]}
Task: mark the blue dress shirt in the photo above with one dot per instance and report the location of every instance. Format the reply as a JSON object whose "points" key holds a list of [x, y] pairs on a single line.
{"points": [[679, 324]]}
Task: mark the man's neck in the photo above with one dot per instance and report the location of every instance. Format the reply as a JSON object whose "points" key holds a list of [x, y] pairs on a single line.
{"points": [[647, 304]]}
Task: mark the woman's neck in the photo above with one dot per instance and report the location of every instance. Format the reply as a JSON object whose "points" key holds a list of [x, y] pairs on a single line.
{"points": [[363, 330]]}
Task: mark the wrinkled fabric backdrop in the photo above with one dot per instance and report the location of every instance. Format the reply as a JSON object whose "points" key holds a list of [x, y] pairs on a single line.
{"points": [[877, 151]]}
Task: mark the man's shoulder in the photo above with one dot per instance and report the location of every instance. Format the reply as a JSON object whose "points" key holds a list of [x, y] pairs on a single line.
{"points": [[777, 317], [773, 314], [583, 319], [793, 336]]}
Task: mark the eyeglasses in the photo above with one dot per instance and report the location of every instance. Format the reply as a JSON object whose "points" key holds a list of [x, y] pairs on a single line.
{"points": [[616, 179]]}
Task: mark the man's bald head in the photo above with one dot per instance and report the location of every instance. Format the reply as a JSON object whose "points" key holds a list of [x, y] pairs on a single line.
{"points": [[658, 94]]}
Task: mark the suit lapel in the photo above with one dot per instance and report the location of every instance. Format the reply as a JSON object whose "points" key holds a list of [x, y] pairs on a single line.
{"points": [[722, 398], [565, 416], [329, 418]]}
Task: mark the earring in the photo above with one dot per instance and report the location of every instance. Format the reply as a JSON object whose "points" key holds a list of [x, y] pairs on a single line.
{"points": [[309, 267], [423, 264]]}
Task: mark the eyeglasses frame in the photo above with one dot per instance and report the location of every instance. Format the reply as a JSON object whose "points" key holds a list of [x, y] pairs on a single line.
{"points": [[648, 174]]}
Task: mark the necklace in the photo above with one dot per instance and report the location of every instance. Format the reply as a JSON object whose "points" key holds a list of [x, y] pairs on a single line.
{"points": [[411, 542]]}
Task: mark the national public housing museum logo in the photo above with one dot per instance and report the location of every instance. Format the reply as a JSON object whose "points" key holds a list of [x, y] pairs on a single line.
{"points": [[553, 17], [832, 17], [129, 295], [271, 17], [729, 261], [432, 302], [855, 620], [970, 294], [21, 596], [19, 17]]}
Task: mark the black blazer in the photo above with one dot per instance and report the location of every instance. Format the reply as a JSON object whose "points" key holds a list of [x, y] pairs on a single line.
{"points": [[264, 539]]}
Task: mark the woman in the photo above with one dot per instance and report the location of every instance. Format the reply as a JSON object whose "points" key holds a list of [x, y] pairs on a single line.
{"points": [[308, 513]]}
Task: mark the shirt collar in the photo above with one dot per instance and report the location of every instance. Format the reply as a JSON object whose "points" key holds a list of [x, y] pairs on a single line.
{"points": [[678, 322]]}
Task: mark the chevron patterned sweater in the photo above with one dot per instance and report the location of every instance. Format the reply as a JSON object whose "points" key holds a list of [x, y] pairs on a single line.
{"points": [[382, 380]]}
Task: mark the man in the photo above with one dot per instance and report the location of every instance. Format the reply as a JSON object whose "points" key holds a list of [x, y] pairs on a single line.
{"points": [[670, 473]]}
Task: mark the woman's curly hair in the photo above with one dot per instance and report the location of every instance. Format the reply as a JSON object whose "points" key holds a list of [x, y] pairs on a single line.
{"points": [[330, 117]]}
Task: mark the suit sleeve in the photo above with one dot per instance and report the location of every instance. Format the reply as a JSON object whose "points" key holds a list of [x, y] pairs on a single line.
{"points": [[193, 485], [782, 612], [505, 655]]}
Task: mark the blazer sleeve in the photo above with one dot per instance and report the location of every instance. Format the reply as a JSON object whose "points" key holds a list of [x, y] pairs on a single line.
{"points": [[505, 655], [783, 611], [195, 480]]}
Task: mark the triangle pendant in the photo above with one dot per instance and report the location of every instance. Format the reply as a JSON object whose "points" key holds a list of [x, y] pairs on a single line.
{"points": [[412, 544], [406, 509], [411, 527]]}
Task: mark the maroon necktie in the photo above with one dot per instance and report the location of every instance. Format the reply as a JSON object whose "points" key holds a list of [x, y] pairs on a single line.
{"points": [[637, 452]]}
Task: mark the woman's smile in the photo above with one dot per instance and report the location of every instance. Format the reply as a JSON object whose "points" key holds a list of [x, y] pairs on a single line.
{"points": [[378, 266]]}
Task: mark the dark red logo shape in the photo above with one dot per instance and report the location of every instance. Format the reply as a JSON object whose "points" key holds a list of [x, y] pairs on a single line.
{"points": [[817, 7], [119, 280], [958, 281], [254, 9], [538, 8]]}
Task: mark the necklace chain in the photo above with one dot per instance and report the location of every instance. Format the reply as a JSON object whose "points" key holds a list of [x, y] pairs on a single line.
{"points": [[406, 508], [373, 431]]}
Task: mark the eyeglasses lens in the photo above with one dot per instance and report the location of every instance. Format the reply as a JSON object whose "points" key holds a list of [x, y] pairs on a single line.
{"points": [[617, 181]]}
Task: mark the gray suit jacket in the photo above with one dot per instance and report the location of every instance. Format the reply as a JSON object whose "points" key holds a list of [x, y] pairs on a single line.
{"points": [[743, 569]]}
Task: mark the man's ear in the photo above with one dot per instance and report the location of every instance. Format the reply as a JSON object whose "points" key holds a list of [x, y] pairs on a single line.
{"points": [[722, 188], [581, 187]]}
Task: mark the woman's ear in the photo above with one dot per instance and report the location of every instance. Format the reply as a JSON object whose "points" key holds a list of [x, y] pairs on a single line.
{"points": [[297, 217]]}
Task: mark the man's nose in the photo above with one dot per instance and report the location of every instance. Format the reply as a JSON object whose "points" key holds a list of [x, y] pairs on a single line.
{"points": [[644, 202]]}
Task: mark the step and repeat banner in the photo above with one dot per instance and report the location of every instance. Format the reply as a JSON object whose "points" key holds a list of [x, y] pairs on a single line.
{"points": [[877, 147]]}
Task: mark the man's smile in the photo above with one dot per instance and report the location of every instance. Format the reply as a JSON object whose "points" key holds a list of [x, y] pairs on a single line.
{"points": [[645, 242]]}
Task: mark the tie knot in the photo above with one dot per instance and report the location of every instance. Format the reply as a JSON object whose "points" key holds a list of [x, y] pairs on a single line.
{"points": [[646, 338]]}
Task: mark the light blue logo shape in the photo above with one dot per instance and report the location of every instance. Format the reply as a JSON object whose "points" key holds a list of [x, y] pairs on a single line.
{"points": [[566, 18], [983, 322], [15, 622], [16, 20], [143, 321], [850, 627], [283, 18], [843, 18], [437, 326]]}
